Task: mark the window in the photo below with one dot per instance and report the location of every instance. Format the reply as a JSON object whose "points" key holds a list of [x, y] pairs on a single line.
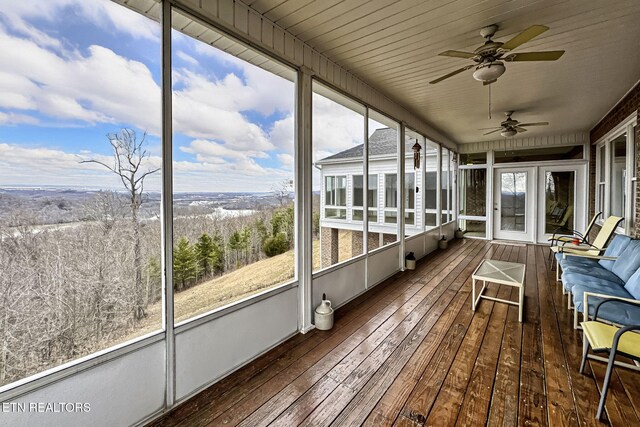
{"points": [[431, 185], [601, 176], [473, 159], [233, 180], [383, 163], [409, 198], [372, 197], [390, 198], [616, 173], [445, 185], [335, 191], [79, 248], [540, 154], [338, 166], [618, 168], [472, 201]]}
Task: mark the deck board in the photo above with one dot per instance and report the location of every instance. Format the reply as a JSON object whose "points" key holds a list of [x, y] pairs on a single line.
{"points": [[411, 352]]}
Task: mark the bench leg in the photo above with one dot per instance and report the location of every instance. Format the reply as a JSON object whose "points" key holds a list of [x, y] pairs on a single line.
{"points": [[605, 386], [585, 352], [473, 294], [520, 303]]}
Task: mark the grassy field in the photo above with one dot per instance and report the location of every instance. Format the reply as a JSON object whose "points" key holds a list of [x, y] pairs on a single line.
{"points": [[234, 286]]}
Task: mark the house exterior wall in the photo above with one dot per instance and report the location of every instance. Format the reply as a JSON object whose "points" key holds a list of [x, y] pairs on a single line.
{"points": [[623, 109], [378, 167]]}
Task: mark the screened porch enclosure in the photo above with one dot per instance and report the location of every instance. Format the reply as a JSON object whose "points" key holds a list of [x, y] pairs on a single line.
{"points": [[183, 183]]}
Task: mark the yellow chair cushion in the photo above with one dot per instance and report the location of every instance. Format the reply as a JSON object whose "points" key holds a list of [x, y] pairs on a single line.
{"points": [[600, 336], [576, 249]]}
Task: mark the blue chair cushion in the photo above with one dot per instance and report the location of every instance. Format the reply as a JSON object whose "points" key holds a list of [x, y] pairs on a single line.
{"points": [[571, 261], [628, 261], [596, 276], [633, 285], [615, 248], [623, 314]]}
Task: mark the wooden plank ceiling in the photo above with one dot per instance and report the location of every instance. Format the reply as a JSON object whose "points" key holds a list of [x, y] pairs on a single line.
{"points": [[394, 46]]}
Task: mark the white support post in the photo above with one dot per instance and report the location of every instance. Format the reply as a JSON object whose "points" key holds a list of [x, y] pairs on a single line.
{"points": [[439, 190], [303, 198], [365, 196], [166, 214], [490, 208], [401, 189]]}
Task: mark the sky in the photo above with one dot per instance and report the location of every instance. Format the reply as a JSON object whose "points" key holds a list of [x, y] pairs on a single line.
{"points": [[74, 71]]}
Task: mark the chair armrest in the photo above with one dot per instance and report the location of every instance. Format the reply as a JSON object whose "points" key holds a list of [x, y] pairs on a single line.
{"points": [[602, 257], [606, 299], [584, 246], [618, 335]]}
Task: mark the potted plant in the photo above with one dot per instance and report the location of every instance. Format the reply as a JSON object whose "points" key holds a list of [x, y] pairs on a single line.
{"points": [[410, 261], [459, 233], [442, 243]]}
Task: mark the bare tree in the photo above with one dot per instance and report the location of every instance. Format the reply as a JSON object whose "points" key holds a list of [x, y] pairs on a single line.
{"points": [[282, 191], [129, 155]]}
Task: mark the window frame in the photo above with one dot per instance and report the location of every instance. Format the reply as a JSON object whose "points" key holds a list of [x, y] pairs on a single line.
{"points": [[408, 210], [371, 207], [334, 197], [390, 209], [603, 184], [460, 194]]}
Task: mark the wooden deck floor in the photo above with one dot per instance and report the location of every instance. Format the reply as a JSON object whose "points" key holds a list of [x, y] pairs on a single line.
{"points": [[411, 352]]}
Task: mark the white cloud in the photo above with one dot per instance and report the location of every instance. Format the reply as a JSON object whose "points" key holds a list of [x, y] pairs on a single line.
{"points": [[335, 128], [286, 160], [282, 133], [99, 87], [45, 83], [210, 151], [187, 58], [57, 167], [14, 119], [105, 14]]}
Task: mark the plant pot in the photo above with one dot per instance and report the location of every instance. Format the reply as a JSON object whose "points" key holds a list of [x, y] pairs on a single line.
{"points": [[459, 234], [443, 244], [410, 264]]}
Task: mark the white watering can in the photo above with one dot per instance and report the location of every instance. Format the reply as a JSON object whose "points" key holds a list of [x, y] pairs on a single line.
{"points": [[324, 314]]}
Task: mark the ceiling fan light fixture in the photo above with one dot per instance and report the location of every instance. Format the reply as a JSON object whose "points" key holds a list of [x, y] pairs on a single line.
{"points": [[489, 71], [508, 133]]}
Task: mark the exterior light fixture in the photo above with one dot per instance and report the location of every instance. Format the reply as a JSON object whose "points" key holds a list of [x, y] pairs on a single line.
{"points": [[416, 155], [489, 71], [508, 133]]}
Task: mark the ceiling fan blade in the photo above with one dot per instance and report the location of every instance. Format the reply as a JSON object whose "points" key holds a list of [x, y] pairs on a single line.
{"points": [[489, 82], [551, 55], [525, 36], [534, 124], [457, 54], [520, 129], [492, 128], [451, 74], [493, 131]]}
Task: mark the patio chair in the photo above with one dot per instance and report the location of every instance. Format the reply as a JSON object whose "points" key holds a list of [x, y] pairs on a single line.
{"points": [[572, 235], [601, 337], [562, 224], [590, 249]]}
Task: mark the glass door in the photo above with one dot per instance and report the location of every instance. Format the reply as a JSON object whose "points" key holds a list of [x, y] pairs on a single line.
{"points": [[513, 204], [561, 200]]}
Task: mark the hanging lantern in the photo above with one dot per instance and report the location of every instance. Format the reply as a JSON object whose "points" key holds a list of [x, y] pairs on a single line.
{"points": [[416, 155]]}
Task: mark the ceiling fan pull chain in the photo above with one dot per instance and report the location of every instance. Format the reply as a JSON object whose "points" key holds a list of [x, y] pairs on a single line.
{"points": [[489, 102]]}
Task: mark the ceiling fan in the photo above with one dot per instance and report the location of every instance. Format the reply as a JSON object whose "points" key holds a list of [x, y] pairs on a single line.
{"points": [[511, 127], [488, 58]]}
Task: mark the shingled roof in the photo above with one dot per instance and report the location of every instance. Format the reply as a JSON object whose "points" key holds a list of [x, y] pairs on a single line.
{"points": [[382, 142]]}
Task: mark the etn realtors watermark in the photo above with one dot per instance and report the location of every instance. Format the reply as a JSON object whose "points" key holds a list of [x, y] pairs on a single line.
{"points": [[45, 407]]}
